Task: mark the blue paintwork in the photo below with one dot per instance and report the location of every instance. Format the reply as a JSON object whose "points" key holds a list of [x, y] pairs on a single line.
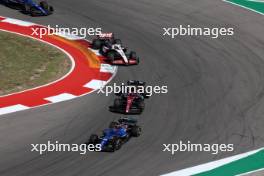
{"points": [[112, 132], [31, 3]]}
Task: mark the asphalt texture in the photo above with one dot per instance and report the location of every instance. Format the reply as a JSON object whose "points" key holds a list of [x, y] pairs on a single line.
{"points": [[216, 89]]}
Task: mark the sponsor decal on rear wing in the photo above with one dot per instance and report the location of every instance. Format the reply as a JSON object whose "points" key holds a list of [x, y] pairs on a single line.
{"points": [[106, 35]]}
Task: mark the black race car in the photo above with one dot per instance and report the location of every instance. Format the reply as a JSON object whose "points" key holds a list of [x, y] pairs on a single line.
{"points": [[112, 49], [116, 135]]}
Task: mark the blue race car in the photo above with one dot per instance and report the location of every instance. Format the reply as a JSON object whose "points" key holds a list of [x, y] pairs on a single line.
{"points": [[116, 135], [32, 7]]}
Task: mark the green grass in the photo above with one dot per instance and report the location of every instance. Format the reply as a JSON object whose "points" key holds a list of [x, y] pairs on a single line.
{"points": [[256, 6], [26, 63]]}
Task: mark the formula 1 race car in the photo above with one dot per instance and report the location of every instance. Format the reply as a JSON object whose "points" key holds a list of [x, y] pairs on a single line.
{"points": [[132, 100], [128, 103], [136, 86], [116, 135], [139, 85], [113, 50], [31, 7]]}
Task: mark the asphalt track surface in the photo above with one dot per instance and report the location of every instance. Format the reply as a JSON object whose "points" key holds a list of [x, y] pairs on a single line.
{"points": [[216, 90]]}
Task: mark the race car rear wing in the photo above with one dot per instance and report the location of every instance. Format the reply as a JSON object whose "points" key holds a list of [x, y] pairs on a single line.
{"points": [[106, 35], [128, 120], [136, 83]]}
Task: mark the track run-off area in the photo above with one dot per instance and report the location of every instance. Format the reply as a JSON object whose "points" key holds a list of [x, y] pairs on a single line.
{"points": [[88, 72]]}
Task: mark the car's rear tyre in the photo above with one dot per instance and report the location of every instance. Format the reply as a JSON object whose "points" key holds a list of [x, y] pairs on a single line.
{"points": [[146, 95], [141, 105], [133, 55], [116, 144], [137, 59], [136, 131], [118, 93], [96, 44], [33, 12], [113, 124], [51, 9], [27, 8]]}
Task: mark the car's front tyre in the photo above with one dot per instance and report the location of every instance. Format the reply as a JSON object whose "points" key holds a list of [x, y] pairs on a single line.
{"points": [[113, 124], [96, 44], [111, 56], [93, 139], [44, 5]]}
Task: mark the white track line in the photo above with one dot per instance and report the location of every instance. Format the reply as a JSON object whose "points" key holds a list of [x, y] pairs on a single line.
{"points": [[106, 68], [211, 165], [11, 109], [18, 22], [259, 170], [69, 36], [95, 84], [60, 97]]}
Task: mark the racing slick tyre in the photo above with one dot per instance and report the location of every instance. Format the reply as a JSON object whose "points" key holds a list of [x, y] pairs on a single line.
{"points": [[6, 2], [10, 4], [33, 12], [96, 44], [44, 5], [136, 131], [141, 105], [117, 41], [27, 8], [116, 144], [118, 93], [137, 61], [51, 9], [111, 56], [133, 55], [145, 95], [117, 102], [93, 139], [113, 124]]}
